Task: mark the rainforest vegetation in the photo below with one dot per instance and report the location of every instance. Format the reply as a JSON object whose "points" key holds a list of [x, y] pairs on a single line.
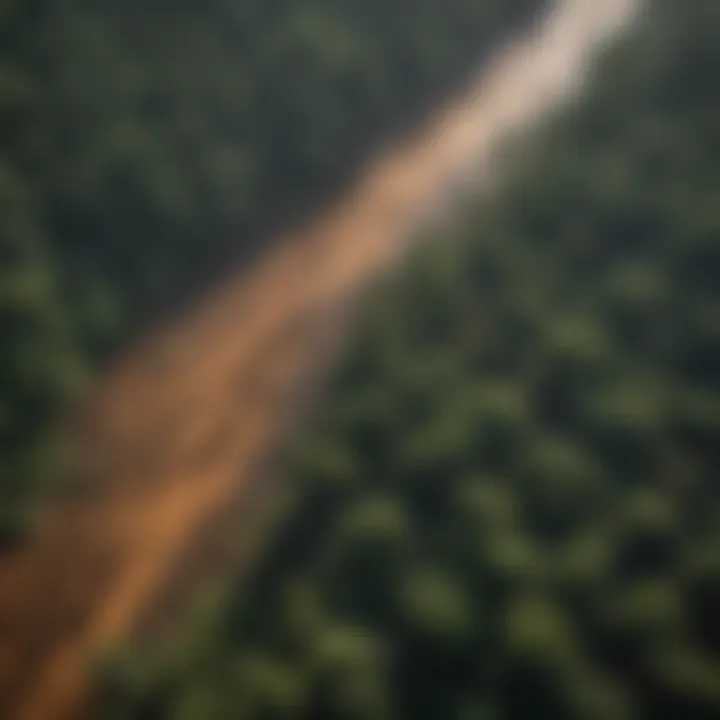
{"points": [[509, 506], [144, 146]]}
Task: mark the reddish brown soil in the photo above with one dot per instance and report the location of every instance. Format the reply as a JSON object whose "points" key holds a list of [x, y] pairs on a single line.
{"points": [[174, 433]]}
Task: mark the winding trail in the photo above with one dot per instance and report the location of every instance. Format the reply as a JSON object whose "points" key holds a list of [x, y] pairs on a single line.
{"points": [[176, 431]]}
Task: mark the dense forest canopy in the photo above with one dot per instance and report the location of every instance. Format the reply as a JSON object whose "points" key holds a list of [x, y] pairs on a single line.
{"points": [[510, 507], [145, 145]]}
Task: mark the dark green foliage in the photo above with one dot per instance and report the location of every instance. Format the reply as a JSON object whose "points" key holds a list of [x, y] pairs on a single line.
{"points": [[146, 146], [518, 473]]}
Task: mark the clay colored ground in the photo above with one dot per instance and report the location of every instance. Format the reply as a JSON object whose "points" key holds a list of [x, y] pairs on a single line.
{"points": [[176, 431]]}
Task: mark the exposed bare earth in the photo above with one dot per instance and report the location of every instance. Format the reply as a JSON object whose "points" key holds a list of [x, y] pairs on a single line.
{"points": [[176, 430]]}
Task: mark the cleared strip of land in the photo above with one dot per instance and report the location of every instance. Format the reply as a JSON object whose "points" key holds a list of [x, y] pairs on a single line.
{"points": [[175, 433]]}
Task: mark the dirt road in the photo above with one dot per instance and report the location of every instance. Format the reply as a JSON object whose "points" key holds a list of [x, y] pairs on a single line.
{"points": [[175, 431]]}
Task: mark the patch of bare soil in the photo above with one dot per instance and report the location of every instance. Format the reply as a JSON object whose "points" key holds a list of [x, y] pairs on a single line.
{"points": [[175, 433]]}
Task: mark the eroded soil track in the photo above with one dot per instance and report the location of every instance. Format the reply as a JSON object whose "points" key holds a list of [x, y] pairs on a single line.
{"points": [[174, 434]]}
